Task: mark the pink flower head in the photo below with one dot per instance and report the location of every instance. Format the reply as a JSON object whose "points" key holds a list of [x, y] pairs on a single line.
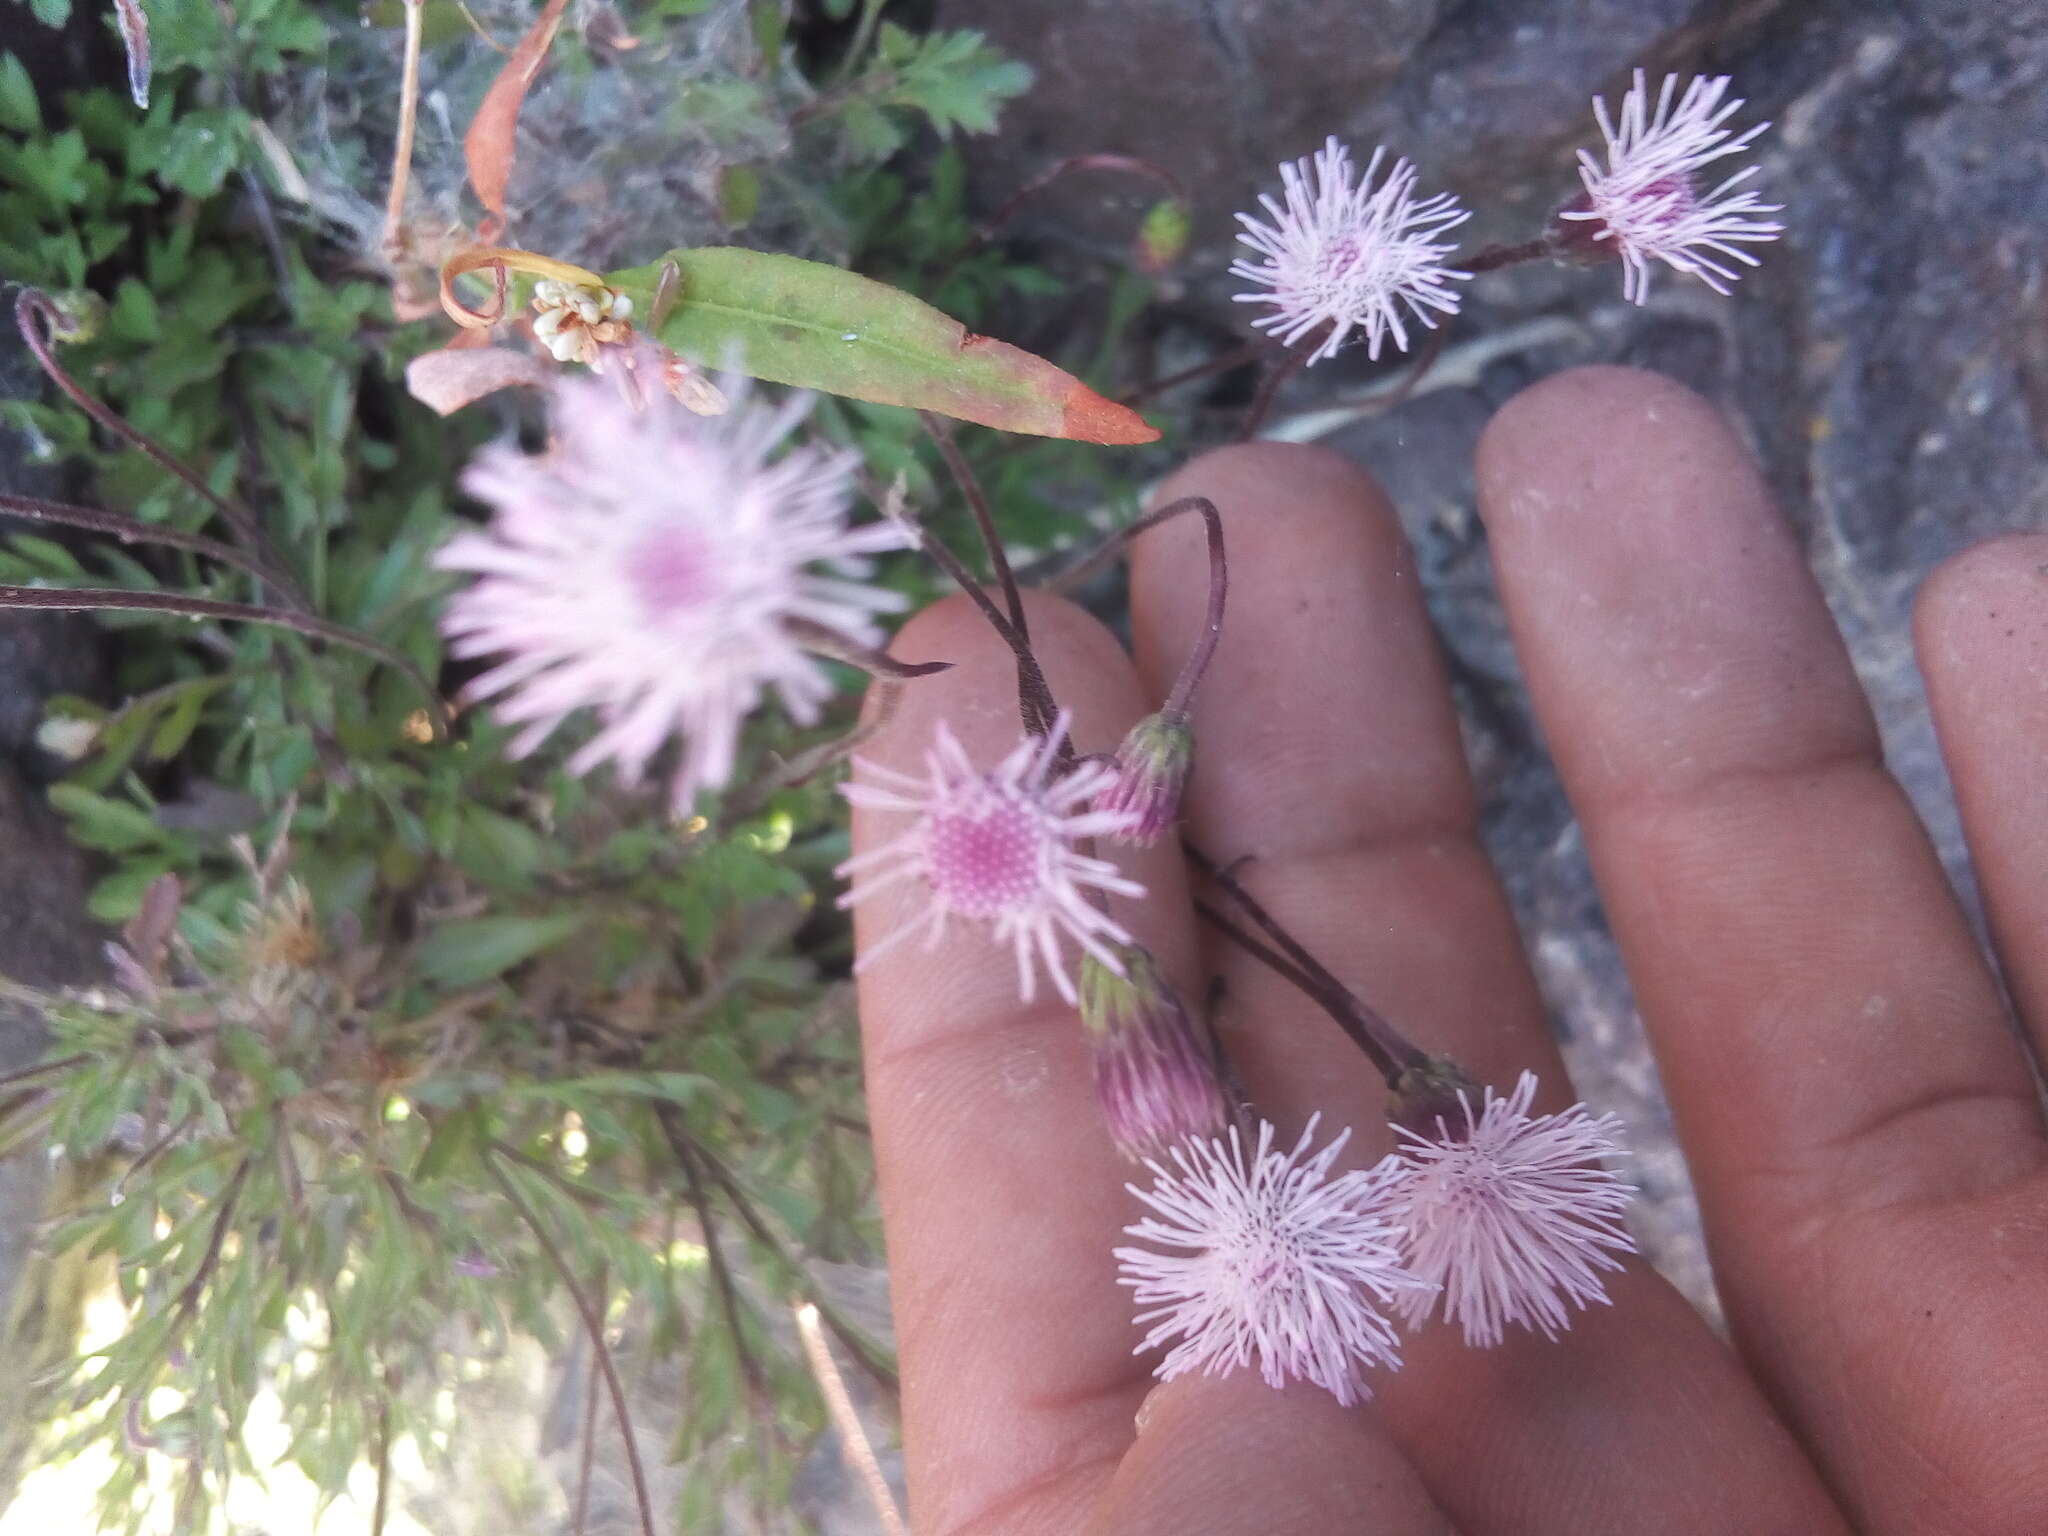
{"points": [[999, 847], [1512, 1215], [1271, 1261], [1647, 204], [1155, 1075], [657, 567], [1348, 255]]}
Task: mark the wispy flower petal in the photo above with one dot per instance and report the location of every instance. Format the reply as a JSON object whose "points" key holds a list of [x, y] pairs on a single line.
{"points": [[999, 847], [657, 567], [1349, 255], [1513, 1215], [1269, 1261], [1646, 203]]}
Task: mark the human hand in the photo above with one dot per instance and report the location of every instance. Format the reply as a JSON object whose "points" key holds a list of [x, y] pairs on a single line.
{"points": [[1852, 1097]]}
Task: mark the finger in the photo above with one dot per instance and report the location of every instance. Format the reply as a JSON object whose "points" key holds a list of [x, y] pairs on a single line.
{"points": [[1327, 751], [1001, 1194], [1213, 1458], [1982, 627], [1835, 1049]]}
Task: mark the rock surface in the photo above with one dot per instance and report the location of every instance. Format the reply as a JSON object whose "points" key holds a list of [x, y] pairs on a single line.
{"points": [[1889, 363]]}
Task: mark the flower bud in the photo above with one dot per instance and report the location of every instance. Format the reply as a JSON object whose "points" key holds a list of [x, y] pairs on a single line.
{"points": [[1155, 1077], [1162, 237], [1152, 770]]}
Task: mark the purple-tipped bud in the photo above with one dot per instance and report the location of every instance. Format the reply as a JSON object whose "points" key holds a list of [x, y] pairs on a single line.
{"points": [[1154, 1074], [1151, 771]]}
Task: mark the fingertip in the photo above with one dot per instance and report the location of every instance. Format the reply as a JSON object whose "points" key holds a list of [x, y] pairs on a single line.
{"points": [[1593, 428], [1989, 601]]}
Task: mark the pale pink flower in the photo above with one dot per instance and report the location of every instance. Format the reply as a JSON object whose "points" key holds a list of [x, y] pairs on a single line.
{"points": [[659, 568], [1350, 255], [1271, 1262], [1511, 1215], [1648, 204], [999, 847]]}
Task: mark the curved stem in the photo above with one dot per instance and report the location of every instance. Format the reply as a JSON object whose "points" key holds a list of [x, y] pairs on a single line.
{"points": [[129, 530], [828, 642], [1035, 701], [1114, 543], [1297, 358], [31, 306], [89, 599], [593, 1324], [1390, 1050], [984, 519], [1177, 702]]}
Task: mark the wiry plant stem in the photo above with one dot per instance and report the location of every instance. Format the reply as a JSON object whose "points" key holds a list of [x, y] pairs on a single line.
{"points": [[1390, 1051], [408, 115], [33, 311], [1182, 697], [984, 519], [89, 599], [593, 1325]]}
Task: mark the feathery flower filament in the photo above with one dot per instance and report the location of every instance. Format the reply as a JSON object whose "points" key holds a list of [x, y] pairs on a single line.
{"points": [[1001, 847], [1269, 1261], [1647, 205], [658, 567], [1341, 255], [1512, 1215]]}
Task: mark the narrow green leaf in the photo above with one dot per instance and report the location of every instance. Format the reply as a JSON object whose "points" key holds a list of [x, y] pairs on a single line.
{"points": [[820, 327], [18, 108], [466, 953]]}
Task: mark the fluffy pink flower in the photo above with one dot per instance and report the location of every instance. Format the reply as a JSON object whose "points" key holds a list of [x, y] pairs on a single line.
{"points": [[1350, 255], [1270, 1261], [657, 567], [999, 848], [1511, 1215], [1647, 203]]}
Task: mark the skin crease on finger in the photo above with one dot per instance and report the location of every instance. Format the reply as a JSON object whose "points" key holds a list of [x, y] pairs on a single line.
{"points": [[1861, 1124], [1328, 751]]}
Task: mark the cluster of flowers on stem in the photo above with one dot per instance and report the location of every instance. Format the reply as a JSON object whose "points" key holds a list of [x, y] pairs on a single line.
{"points": [[668, 572]]}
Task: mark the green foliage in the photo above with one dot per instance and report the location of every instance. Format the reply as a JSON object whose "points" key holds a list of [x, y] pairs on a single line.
{"points": [[342, 1100]]}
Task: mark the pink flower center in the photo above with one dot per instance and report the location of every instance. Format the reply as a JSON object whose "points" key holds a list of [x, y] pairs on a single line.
{"points": [[984, 855], [1671, 197], [668, 572]]}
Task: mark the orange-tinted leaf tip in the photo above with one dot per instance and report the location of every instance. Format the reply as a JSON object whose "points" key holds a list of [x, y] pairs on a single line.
{"points": [[1088, 418]]}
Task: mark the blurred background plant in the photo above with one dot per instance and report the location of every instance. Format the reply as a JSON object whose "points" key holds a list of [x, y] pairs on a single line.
{"points": [[436, 1108]]}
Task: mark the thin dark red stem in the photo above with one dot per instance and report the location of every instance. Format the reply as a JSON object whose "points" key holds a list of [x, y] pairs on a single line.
{"points": [[31, 307], [1179, 700], [1333, 1002], [1391, 1051], [1223, 362], [593, 1325], [88, 599], [1297, 358], [1113, 544], [1035, 702], [1494, 257], [129, 530], [984, 519]]}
